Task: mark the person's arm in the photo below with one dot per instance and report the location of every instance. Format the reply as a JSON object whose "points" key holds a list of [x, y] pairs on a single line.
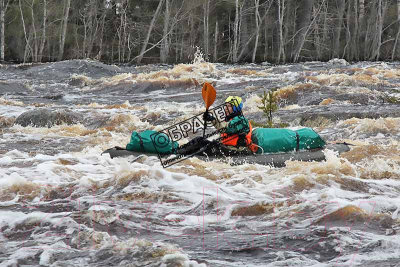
{"points": [[219, 125], [238, 125]]}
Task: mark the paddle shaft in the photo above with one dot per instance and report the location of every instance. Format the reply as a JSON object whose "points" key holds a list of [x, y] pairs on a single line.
{"points": [[205, 125]]}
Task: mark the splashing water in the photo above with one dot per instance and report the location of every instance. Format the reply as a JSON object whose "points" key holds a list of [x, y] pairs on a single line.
{"points": [[63, 203]]}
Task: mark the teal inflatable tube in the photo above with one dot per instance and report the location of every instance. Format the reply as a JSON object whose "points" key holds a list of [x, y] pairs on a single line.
{"points": [[272, 140]]}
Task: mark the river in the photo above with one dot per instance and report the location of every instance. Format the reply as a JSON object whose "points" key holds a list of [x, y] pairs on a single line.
{"points": [[62, 203]]}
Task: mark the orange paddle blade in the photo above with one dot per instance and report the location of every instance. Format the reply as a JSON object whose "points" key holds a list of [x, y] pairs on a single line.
{"points": [[209, 94]]}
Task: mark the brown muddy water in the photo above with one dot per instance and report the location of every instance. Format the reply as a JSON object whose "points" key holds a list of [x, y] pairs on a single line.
{"points": [[62, 203]]}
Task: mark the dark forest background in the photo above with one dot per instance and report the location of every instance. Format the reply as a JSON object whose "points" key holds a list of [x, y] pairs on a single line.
{"points": [[168, 31]]}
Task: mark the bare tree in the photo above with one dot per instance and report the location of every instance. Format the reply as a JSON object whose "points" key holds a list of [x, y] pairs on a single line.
{"points": [[316, 35], [216, 42], [258, 21], [64, 26], [356, 29], [164, 51], [362, 29], [236, 33], [103, 20], [325, 33], [2, 28], [91, 27], [43, 37], [351, 30], [304, 25], [146, 40], [35, 46], [3, 9], [122, 32], [227, 30], [381, 11], [396, 46], [244, 32], [28, 48], [341, 5], [250, 39], [361, 5], [281, 13], [206, 35]]}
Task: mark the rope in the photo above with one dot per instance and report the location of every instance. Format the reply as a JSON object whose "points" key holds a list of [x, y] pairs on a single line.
{"points": [[260, 147]]}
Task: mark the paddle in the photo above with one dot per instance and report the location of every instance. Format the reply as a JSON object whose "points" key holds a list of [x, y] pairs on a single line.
{"points": [[209, 94]]}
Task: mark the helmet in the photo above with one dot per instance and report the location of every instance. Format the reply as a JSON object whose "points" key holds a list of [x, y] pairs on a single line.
{"points": [[236, 102]]}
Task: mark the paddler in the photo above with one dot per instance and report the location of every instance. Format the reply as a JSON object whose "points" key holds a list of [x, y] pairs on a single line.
{"points": [[236, 129]]}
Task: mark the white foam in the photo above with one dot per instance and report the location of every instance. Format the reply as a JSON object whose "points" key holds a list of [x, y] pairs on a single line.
{"points": [[6, 160], [17, 154], [70, 98], [178, 259], [18, 256], [12, 179]]}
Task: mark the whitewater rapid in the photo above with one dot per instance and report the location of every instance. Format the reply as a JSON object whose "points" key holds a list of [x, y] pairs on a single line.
{"points": [[62, 203]]}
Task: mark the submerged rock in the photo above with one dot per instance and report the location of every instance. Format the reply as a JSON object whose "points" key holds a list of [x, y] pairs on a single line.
{"points": [[47, 118], [12, 87], [6, 121], [63, 70], [54, 96]]}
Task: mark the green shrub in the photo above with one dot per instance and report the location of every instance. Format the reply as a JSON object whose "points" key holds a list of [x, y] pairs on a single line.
{"points": [[269, 104]]}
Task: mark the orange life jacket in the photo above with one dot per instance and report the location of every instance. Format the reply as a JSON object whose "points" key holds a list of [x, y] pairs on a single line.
{"points": [[232, 140]]}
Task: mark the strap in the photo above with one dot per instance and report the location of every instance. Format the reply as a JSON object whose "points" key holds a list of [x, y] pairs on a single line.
{"points": [[297, 141], [252, 146], [141, 143]]}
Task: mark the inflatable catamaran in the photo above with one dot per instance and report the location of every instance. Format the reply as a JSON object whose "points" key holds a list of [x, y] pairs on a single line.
{"points": [[266, 146]]}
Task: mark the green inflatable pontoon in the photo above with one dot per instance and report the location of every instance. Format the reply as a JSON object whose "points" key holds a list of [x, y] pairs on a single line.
{"points": [[271, 140]]}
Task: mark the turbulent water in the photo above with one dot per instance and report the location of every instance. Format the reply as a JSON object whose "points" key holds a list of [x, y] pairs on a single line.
{"points": [[64, 204]]}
